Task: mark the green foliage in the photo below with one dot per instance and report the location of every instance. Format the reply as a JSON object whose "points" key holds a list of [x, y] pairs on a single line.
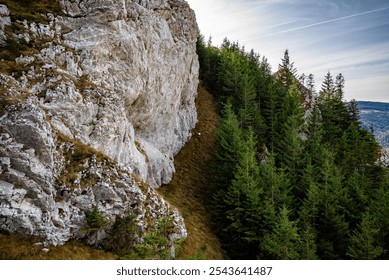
{"points": [[286, 71], [363, 242], [122, 236], [291, 183], [95, 220], [123, 240], [283, 241], [155, 244]]}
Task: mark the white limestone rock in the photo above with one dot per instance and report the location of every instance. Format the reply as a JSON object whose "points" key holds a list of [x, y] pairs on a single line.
{"points": [[118, 78], [5, 20]]}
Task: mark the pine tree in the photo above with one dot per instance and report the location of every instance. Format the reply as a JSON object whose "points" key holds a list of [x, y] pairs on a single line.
{"points": [[209, 63], [229, 74], [379, 209], [283, 241], [271, 112], [307, 248], [243, 204], [334, 201], [314, 137], [357, 185], [275, 184], [311, 199], [229, 149], [363, 242], [289, 147], [333, 110], [353, 112], [286, 70], [292, 183], [249, 111], [328, 87], [339, 87]]}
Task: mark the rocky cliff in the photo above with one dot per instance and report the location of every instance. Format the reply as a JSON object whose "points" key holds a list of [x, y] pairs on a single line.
{"points": [[96, 99]]}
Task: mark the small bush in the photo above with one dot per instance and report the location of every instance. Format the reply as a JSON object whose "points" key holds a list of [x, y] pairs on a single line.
{"points": [[122, 236], [95, 221]]}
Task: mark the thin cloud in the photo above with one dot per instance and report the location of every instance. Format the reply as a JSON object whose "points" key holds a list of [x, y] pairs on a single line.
{"points": [[280, 24], [331, 20]]}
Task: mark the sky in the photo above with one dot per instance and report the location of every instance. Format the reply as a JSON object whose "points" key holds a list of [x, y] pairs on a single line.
{"points": [[344, 36]]}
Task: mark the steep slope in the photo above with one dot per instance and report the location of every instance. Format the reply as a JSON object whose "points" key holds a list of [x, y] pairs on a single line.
{"points": [[190, 189], [96, 97]]}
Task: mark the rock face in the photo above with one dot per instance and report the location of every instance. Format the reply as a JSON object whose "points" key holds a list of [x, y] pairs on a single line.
{"points": [[4, 21], [97, 100]]}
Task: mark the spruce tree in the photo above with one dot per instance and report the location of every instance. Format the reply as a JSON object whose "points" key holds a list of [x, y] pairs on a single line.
{"points": [[353, 112], [230, 145], [331, 223], [248, 107], [229, 74], [307, 248], [289, 147], [328, 87], [275, 183], [229, 149], [314, 137], [283, 242], [287, 71], [363, 242], [339, 87], [243, 204]]}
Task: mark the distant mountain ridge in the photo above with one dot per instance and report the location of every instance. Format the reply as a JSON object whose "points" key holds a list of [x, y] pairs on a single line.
{"points": [[375, 115]]}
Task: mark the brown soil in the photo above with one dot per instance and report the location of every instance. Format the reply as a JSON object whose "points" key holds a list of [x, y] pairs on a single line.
{"points": [[190, 190]]}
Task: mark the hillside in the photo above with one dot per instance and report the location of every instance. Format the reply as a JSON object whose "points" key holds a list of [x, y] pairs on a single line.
{"points": [[190, 188], [375, 115]]}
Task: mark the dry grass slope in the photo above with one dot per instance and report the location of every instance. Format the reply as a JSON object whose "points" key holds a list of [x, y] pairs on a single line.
{"points": [[190, 188], [19, 247]]}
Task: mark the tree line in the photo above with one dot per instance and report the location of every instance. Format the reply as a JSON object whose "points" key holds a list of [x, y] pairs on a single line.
{"points": [[295, 174]]}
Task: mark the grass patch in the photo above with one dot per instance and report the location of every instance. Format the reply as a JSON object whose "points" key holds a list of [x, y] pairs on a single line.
{"points": [[189, 190], [13, 47], [83, 83], [8, 100], [77, 155], [32, 10], [21, 247], [10, 50]]}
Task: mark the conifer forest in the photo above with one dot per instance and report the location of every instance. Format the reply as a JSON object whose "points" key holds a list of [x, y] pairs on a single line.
{"points": [[296, 176]]}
